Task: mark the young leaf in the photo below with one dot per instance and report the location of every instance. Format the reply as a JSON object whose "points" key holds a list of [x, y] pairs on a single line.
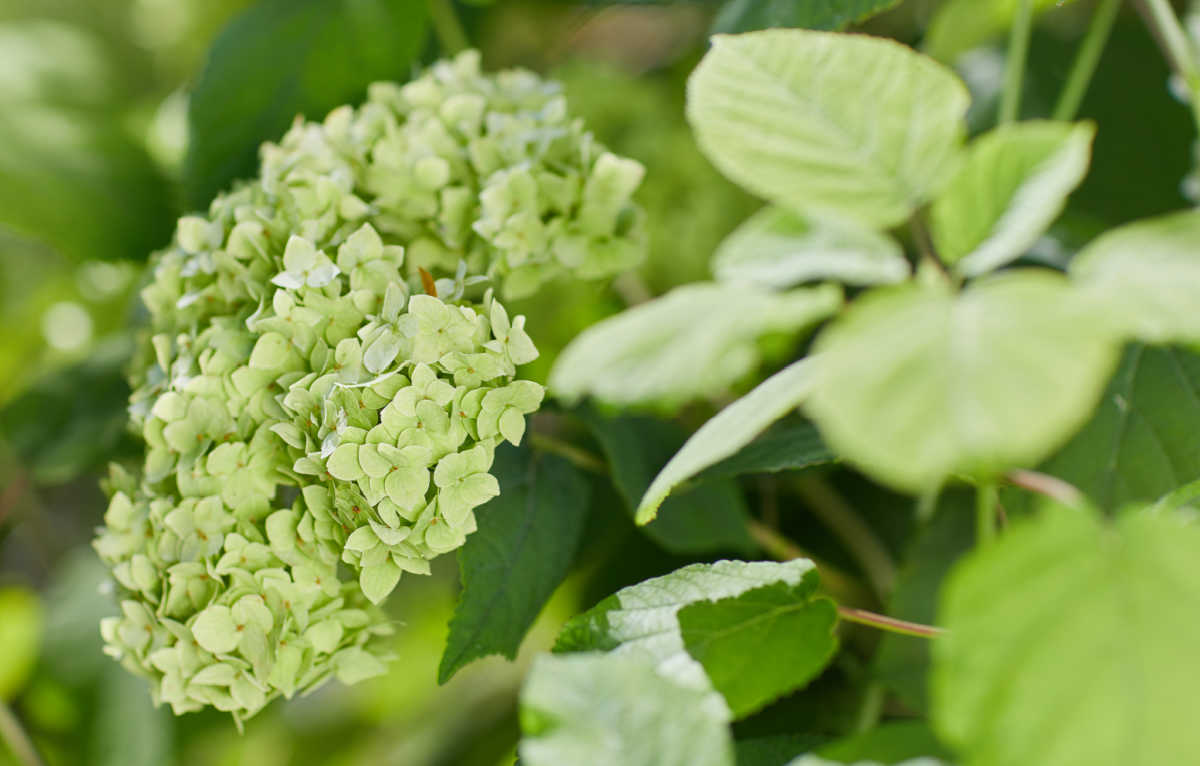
{"points": [[1013, 184], [916, 384], [782, 621], [748, 15], [610, 709], [777, 248], [642, 619], [1141, 442], [731, 429], [792, 443], [705, 519], [282, 58], [960, 25], [1073, 640], [831, 125], [690, 343], [1149, 272], [525, 543]]}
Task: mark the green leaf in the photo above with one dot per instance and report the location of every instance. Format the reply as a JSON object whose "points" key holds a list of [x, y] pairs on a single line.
{"points": [[526, 541], [901, 663], [642, 618], [703, 519], [734, 637], [814, 760], [282, 58], [774, 750], [606, 709], [793, 443], [1141, 443], [730, 430], [691, 343], [1073, 640], [888, 743], [1149, 272], [831, 125], [960, 25], [748, 15], [777, 248], [20, 630], [917, 384], [1013, 184]]}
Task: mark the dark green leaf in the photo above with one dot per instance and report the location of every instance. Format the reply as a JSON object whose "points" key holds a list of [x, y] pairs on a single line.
{"points": [[525, 544], [708, 518], [748, 15], [71, 420], [774, 750], [761, 644], [902, 662], [282, 58], [889, 743], [792, 443]]}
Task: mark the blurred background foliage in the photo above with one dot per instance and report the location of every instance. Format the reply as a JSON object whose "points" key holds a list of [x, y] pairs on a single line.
{"points": [[117, 116]]}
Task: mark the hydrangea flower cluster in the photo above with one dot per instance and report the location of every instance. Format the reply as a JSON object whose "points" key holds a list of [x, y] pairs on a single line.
{"points": [[328, 373]]}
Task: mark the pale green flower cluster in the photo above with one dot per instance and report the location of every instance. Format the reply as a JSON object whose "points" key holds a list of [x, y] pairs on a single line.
{"points": [[328, 374]]}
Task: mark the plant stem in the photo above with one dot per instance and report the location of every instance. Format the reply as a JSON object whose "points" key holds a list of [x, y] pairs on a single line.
{"points": [[1044, 484], [577, 456], [859, 539], [1014, 71], [1087, 59], [890, 624], [986, 505], [1173, 40], [836, 583], [870, 708], [924, 242], [449, 31], [18, 741]]}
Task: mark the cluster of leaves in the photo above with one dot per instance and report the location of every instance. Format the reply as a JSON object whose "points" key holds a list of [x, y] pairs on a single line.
{"points": [[293, 343]]}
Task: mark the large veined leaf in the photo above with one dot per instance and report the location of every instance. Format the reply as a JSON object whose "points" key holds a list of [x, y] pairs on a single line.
{"points": [[829, 124], [1149, 272], [1073, 640], [960, 25], [643, 619], [690, 343], [916, 384], [730, 430], [747, 15], [525, 543], [786, 625], [605, 709], [1013, 184], [1141, 443], [282, 58], [777, 248]]}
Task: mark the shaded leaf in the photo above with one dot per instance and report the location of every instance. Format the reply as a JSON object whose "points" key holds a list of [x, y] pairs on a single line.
{"points": [[891, 742], [792, 443], [748, 15], [525, 544]]}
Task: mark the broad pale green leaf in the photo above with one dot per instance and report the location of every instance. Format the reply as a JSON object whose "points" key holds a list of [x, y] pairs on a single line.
{"points": [[1013, 184], [282, 58], [748, 15], [1072, 640], [1142, 442], [831, 125], [692, 342], [777, 248], [761, 644], [1149, 272], [604, 709], [730, 430], [703, 519], [917, 384], [960, 25], [525, 544], [792, 443], [642, 619], [894, 742]]}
